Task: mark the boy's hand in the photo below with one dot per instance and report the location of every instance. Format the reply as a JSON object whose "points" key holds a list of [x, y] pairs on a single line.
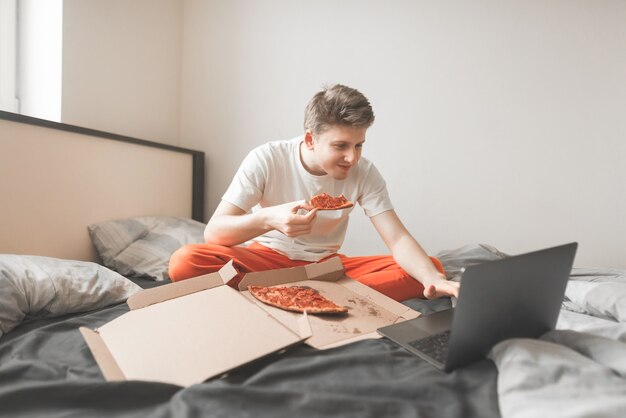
{"points": [[440, 287], [285, 218]]}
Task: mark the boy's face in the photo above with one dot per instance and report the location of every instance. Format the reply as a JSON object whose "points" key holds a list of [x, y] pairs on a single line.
{"points": [[335, 151]]}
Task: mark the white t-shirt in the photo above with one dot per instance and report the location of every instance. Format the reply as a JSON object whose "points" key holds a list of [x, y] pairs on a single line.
{"points": [[273, 174]]}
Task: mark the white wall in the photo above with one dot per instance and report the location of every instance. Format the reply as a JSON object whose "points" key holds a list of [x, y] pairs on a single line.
{"points": [[121, 67], [497, 122]]}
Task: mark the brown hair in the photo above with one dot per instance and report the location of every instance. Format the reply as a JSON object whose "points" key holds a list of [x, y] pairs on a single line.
{"points": [[337, 105]]}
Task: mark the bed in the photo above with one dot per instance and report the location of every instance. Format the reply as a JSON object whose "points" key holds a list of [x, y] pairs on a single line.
{"points": [[89, 218]]}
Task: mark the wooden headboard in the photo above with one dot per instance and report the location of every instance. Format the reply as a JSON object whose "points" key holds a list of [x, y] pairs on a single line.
{"points": [[55, 179]]}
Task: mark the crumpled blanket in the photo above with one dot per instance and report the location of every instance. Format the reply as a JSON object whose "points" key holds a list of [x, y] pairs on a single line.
{"points": [[578, 370], [563, 374]]}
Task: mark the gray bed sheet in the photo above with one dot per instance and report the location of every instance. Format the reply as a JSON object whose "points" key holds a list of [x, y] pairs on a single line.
{"points": [[46, 369]]}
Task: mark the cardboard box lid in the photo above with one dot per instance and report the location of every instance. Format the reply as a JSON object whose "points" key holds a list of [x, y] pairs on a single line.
{"points": [[368, 309], [329, 270], [173, 290], [188, 338]]}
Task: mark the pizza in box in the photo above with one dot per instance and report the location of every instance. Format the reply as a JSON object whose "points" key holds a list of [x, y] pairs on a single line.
{"points": [[296, 299]]}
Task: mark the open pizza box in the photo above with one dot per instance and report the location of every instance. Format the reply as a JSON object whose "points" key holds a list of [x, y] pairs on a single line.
{"points": [[368, 309], [186, 332]]}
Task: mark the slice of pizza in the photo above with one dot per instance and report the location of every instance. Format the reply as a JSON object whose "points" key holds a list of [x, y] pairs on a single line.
{"points": [[324, 201], [297, 299]]}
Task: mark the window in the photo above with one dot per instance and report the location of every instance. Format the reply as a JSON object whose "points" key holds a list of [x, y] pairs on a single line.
{"points": [[31, 57], [8, 56], [40, 58]]}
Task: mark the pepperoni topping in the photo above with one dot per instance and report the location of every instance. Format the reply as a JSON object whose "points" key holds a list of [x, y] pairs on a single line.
{"points": [[324, 201]]}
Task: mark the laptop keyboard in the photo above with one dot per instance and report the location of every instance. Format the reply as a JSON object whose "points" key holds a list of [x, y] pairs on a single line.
{"points": [[435, 346]]}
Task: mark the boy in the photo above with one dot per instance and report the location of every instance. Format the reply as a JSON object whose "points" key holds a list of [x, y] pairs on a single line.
{"points": [[280, 177]]}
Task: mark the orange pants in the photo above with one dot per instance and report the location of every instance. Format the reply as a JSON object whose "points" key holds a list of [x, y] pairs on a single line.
{"points": [[379, 272]]}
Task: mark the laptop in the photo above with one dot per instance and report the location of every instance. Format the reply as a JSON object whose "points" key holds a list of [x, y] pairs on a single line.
{"points": [[516, 297]]}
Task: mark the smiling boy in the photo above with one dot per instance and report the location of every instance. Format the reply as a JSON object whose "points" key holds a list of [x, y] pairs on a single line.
{"points": [[267, 203]]}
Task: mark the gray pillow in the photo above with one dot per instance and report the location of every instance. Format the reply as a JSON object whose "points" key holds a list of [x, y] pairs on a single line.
{"points": [[142, 246], [454, 261], [38, 287], [597, 291]]}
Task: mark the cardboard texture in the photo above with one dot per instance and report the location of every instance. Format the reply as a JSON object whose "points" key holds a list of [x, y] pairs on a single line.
{"points": [[187, 332], [190, 338]]}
